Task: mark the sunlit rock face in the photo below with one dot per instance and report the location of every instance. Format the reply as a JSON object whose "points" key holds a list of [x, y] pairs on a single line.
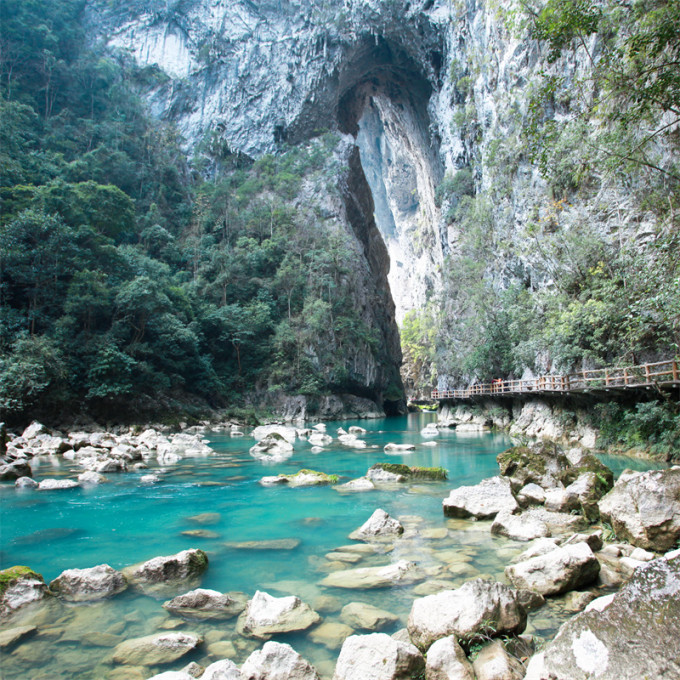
{"points": [[426, 89]]}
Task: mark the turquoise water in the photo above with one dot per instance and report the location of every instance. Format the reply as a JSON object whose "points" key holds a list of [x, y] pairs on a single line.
{"points": [[122, 522]]}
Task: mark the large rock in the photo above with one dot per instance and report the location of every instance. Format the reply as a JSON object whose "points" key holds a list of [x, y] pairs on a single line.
{"points": [[446, 660], [363, 616], [387, 474], [12, 471], [398, 573], [565, 568], [152, 650], [524, 527], [55, 484], [266, 615], [541, 464], [377, 657], [20, 586], [644, 508], [162, 574], [482, 501], [95, 583], [205, 604], [277, 661], [273, 447], [378, 525], [288, 434], [477, 607], [630, 636]]}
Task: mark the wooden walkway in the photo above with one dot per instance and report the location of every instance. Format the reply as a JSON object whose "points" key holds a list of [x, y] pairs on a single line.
{"points": [[663, 374]]}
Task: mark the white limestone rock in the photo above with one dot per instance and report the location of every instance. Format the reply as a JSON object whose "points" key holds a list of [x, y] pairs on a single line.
{"points": [[519, 527], [482, 501], [446, 660], [277, 661], [644, 508], [565, 568], [478, 606], [377, 657], [266, 615], [84, 585], [378, 525]]}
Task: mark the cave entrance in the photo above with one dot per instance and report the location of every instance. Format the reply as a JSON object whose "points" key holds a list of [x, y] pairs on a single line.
{"points": [[385, 108]]}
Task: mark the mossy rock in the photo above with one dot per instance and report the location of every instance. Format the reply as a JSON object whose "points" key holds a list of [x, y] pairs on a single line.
{"points": [[323, 477], [9, 577], [394, 468], [590, 463], [433, 473], [540, 464]]}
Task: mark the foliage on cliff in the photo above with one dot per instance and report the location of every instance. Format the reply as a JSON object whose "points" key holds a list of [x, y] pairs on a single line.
{"points": [[126, 280], [601, 128]]}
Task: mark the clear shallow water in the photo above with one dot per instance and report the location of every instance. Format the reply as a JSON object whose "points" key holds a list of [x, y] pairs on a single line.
{"points": [[122, 522]]}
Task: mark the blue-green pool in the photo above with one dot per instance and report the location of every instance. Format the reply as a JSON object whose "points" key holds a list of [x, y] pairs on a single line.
{"points": [[123, 522]]}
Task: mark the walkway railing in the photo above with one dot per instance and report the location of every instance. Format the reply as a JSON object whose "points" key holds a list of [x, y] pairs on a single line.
{"points": [[660, 374]]}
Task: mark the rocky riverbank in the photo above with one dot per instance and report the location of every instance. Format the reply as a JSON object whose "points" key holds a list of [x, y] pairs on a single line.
{"points": [[604, 549]]}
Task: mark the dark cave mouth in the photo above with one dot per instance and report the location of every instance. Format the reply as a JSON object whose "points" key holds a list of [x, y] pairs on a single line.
{"points": [[384, 106]]}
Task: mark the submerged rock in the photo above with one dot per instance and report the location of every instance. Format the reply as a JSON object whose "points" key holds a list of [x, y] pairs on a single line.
{"points": [[625, 636], [644, 508], [399, 448], [272, 544], [153, 650], [202, 603], [478, 607], [266, 615], [277, 661], [401, 572], [83, 585], [362, 616], [377, 657], [557, 571], [20, 586], [12, 636], [482, 501]]}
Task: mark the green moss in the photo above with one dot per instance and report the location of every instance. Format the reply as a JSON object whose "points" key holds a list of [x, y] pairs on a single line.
{"points": [[590, 463], [13, 574], [395, 468], [434, 473], [520, 457]]}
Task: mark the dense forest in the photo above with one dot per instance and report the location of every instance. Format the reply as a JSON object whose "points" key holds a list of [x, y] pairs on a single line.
{"points": [[136, 274], [128, 279]]}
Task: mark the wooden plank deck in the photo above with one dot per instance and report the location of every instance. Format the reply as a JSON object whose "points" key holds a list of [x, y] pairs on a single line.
{"points": [[662, 374]]}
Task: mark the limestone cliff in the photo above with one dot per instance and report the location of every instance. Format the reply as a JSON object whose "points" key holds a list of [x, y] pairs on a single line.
{"points": [[426, 87]]}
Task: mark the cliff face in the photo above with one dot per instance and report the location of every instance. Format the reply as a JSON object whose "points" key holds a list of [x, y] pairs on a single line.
{"points": [[427, 88]]}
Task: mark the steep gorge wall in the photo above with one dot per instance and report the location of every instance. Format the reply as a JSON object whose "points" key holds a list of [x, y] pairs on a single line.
{"points": [[428, 88]]}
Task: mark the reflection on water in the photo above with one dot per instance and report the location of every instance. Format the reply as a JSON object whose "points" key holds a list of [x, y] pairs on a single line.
{"points": [[216, 504]]}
